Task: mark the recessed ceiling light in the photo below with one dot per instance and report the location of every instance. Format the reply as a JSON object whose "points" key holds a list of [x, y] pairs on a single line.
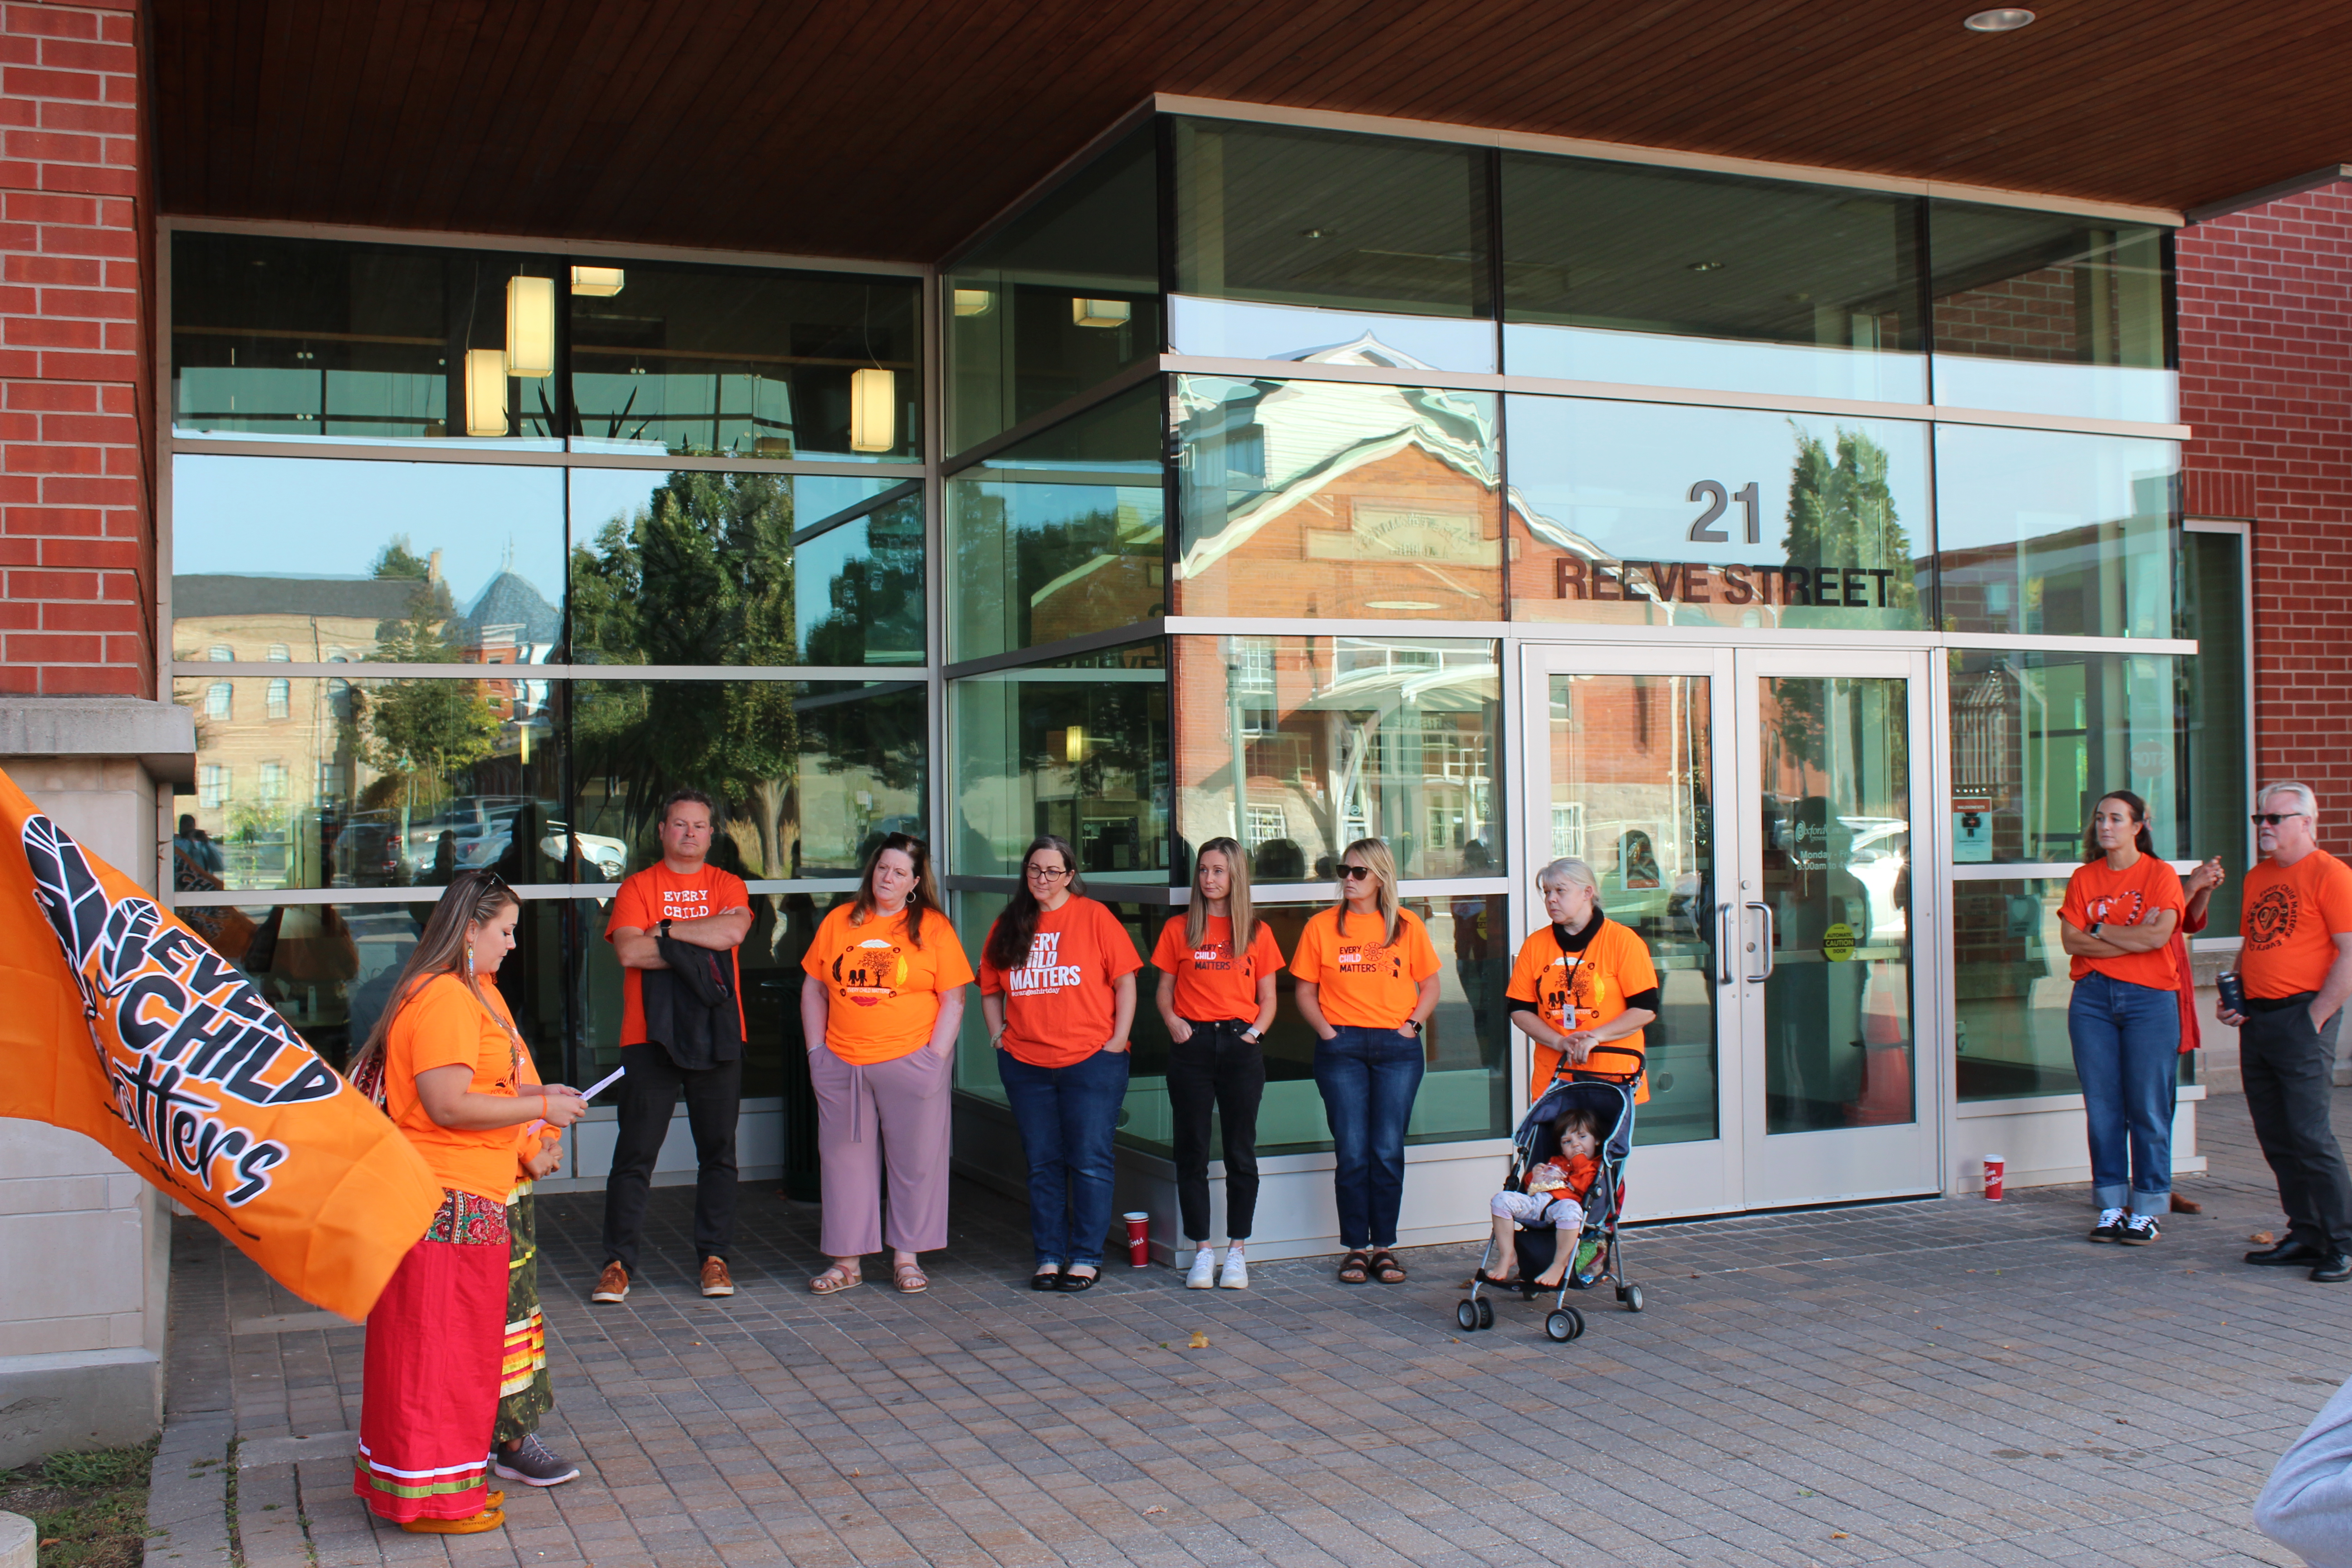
{"points": [[1707, 266], [2006, 19]]}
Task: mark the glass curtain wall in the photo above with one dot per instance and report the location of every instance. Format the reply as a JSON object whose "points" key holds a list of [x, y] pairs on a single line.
{"points": [[403, 669]]}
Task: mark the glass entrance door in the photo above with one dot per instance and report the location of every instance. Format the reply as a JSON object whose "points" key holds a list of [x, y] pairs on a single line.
{"points": [[1748, 813]]}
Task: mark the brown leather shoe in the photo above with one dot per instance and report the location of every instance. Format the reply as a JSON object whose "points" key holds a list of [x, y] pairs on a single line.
{"points": [[716, 1281], [612, 1285]]}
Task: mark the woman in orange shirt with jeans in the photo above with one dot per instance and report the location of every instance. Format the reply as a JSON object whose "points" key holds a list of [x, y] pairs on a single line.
{"points": [[1367, 975], [445, 1063], [1057, 987], [2124, 1019], [880, 1011]]}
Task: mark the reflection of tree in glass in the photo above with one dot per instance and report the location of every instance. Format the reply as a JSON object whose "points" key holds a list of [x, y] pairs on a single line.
{"points": [[877, 601], [419, 734], [1044, 553], [1841, 514], [703, 575], [398, 558]]}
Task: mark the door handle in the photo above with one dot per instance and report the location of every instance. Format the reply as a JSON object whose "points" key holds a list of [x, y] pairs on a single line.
{"points": [[1770, 939], [1723, 939]]}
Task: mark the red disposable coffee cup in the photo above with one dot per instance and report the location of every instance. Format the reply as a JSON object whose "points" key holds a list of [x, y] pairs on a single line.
{"points": [[1993, 1167], [1139, 1239]]}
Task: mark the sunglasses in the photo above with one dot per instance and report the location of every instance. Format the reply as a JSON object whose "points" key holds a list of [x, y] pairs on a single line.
{"points": [[2273, 818], [1355, 873]]}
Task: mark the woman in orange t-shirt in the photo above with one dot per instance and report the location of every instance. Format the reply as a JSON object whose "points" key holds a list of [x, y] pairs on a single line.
{"points": [[1367, 975], [880, 1012], [1057, 987], [445, 1063], [1217, 964], [2124, 1019]]}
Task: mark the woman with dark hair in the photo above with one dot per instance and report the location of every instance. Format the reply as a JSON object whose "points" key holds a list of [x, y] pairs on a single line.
{"points": [[880, 1013], [447, 1064], [2123, 1020], [1217, 964], [1367, 975], [1057, 988]]}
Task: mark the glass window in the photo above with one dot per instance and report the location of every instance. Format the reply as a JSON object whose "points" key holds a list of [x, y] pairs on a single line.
{"points": [[808, 775], [2048, 313], [700, 361], [407, 563], [2047, 532], [1793, 521], [1061, 298], [323, 340], [1077, 748], [2038, 737], [2213, 760], [420, 779], [1336, 499], [282, 699], [1675, 278], [1336, 739], [698, 567], [2010, 991], [212, 785], [330, 969], [1061, 535], [1291, 244]]}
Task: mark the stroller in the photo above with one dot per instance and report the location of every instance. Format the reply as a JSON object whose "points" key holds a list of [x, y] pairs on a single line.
{"points": [[1612, 1105]]}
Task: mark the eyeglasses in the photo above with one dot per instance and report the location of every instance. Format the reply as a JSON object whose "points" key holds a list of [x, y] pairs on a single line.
{"points": [[2273, 818], [1048, 873], [1355, 873]]}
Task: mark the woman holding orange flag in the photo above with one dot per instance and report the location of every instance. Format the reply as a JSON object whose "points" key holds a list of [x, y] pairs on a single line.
{"points": [[447, 1065], [880, 1010]]}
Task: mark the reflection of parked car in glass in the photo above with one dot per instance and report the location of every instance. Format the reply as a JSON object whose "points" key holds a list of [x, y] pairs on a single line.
{"points": [[367, 852], [608, 857]]}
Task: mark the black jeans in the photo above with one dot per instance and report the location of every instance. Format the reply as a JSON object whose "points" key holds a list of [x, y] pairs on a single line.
{"points": [[714, 1097], [1216, 1067], [2290, 1076]]}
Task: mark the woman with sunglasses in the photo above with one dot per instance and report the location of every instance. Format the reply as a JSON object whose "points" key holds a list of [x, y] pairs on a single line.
{"points": [[1057, 988], [1367, 975]]}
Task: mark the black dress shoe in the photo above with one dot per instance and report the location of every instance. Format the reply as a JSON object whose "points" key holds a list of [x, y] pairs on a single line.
{"points": [[2287, 1254], [2334, 1269]]}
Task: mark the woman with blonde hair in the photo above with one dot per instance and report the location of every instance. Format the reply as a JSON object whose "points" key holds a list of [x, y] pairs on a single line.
{"points": [[1217, 964], [1583, 988], [880, 1011], [1367, 975], [447, 1065]]}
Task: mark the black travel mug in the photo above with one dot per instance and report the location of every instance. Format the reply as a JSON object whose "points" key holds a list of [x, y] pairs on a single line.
{"points": [[2233, 990]]}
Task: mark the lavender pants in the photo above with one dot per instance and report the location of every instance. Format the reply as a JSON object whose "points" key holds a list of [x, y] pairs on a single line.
{"points": [[882, 1129]]}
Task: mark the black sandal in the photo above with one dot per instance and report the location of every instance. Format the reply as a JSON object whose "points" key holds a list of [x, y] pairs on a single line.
{"points": [[1074, 1283], [1046, 1279], [1384, 1263], [1352, 1267]]}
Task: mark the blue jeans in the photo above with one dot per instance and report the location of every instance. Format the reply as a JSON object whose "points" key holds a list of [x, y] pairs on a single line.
{"points": [[2126, 1041], [1367, 1077], [1067, 1117]]}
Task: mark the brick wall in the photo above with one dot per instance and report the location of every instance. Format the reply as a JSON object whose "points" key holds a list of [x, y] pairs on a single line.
{"points": [[2266, 370], [77, 535], [2032, 317]]}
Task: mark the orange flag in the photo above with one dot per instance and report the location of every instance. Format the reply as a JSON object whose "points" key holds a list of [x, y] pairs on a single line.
{"points": [[121, 1023]]}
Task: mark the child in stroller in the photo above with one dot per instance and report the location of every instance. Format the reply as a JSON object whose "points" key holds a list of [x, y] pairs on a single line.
{"points": [[1583, 1128]]}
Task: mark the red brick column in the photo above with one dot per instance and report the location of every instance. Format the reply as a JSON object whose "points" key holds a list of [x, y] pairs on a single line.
{"points": [[2266, 375], [77, 509]]}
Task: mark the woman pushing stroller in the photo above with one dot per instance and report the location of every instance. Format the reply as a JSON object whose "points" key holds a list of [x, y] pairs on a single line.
{"points": [[1583, 988]]}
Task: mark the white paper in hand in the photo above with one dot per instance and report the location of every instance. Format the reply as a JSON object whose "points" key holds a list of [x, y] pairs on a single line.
{"points": [[602, 1084]]}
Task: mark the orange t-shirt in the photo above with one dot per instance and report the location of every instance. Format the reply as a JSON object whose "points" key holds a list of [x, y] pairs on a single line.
{"points": [[1582, 1172], [2291, 919], [1358, 981], [442, 1025], [656, 894], [1593, 983], [1058, 1005], [2127, 898], [882, 992], [1210, 984]]}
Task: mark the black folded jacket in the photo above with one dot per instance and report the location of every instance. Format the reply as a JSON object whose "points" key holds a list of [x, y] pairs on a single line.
{"points": [[690, 1007]]}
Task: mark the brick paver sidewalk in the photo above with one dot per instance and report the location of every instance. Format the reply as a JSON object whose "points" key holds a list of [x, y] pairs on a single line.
{"points": [[1939, 1383]]}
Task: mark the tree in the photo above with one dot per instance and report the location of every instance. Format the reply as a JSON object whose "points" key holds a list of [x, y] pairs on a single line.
{"points": [[421, 732], [398, 560], [1841, 514]]}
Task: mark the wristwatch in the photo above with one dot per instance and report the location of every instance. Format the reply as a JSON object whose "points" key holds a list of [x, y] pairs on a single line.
{"points": [[1251, 1035], [1414, 1024], [665, 928], [2093, 928]]}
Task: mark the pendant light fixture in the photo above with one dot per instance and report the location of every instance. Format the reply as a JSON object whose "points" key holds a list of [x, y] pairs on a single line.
{"points": [[597, 282], [873, 410], [486, 391], [530, 327], [1100, 312], [974, 301]]}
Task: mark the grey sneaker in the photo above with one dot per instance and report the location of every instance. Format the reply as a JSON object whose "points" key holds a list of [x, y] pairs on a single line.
{"points": [[532, 1464]]}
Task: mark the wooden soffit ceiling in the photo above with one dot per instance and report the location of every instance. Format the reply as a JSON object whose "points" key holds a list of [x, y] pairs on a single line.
{"points": [[892, 128]]}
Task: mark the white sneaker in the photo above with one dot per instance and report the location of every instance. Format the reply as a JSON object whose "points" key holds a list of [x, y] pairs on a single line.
{"points": [[1236, 1272], [1204, 1275]]}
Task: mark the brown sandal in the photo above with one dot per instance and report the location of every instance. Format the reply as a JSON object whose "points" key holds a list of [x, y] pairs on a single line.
{"points": [[1385, 1266], [835, 1280], [909, 1278], [1352, 1267]]}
